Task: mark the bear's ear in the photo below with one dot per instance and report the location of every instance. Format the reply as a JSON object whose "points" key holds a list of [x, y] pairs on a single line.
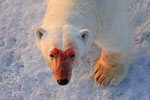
{"points": [[84, 34], [39, 33]]}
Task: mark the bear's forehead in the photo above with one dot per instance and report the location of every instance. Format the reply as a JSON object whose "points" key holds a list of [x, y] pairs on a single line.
{"points": [[64, 28], [63, 46], [62, 52]]}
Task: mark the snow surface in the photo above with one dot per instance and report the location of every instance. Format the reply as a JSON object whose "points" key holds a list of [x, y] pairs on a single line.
{"points": [[24, 74]]}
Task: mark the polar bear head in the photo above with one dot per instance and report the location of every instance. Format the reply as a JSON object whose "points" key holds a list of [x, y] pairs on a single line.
{"points": [[62, 47]]}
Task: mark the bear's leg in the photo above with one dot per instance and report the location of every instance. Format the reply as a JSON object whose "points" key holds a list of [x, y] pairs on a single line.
{"points": [[109, 70]]}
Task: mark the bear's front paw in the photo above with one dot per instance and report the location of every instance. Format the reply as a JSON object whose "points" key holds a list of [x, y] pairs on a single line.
{"points": [[105, 76]]}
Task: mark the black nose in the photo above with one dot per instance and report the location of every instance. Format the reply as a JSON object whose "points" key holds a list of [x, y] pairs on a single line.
{"points": [[62, 81]]}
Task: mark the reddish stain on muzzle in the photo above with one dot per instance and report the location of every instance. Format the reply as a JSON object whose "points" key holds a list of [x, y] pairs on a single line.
{"points": [[62, 63]]}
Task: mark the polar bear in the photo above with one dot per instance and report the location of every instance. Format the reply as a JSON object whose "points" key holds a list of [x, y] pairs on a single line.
{"points": [[68, 30]]}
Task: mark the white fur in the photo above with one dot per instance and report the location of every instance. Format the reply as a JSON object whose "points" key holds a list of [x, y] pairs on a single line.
{"points": [[105, 20]]}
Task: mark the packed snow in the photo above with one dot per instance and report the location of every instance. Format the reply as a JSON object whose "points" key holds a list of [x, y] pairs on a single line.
{"points": [[24, 75]]}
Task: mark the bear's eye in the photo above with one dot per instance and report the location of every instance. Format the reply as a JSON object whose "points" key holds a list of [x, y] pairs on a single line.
{"points": [[52, 56], [72, 56]]}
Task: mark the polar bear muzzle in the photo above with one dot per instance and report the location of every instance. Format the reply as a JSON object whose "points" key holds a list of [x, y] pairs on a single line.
{"points": [[62, 65]]}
